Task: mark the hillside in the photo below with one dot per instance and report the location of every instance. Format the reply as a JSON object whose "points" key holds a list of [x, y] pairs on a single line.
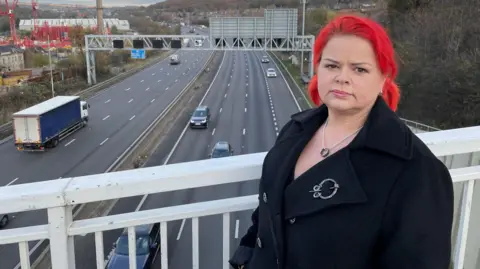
{"points": [[212, 5]]}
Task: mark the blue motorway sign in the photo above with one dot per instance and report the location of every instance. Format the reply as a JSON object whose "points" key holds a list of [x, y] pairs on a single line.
{"points": [[138, 54]]}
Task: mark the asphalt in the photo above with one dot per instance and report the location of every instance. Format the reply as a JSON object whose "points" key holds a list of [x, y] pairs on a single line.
{"points": [[242, 115], [117, 116]]}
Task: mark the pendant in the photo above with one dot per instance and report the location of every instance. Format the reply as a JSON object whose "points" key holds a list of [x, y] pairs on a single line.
{"points": [[324, 152]]}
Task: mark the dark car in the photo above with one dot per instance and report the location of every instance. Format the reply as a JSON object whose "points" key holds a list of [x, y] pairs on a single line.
{"points": [[147, 244], [3, 220], [221, 149], [200, 117]]}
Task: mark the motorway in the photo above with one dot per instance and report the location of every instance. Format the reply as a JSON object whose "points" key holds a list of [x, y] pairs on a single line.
{"points": [[247, 111], [118, 115]]}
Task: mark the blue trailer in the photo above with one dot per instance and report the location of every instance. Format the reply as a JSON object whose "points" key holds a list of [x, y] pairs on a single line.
{"points": [[44, 125]]}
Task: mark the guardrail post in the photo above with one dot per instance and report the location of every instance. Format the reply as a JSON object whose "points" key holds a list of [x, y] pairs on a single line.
{"points": [[62, 250]]}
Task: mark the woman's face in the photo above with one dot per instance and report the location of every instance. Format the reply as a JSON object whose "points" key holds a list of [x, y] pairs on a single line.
{"points": [[349, 78]]}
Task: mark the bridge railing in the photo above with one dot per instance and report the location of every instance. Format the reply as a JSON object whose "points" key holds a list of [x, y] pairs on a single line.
{"points": [[59, 196]]}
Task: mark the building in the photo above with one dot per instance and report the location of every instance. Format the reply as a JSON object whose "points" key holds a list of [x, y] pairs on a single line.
{"points": [[11, 58], [122, 25]]}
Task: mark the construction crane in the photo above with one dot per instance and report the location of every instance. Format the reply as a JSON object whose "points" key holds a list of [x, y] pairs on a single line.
{"points": [[8, 11]]}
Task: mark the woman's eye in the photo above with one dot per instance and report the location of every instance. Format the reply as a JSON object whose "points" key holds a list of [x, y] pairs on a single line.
{"points": [[361, 70], [330, 66]]}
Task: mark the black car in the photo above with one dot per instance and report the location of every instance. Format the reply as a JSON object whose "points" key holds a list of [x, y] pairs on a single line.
{"points": [[3, 220], [200, 117], [221, 149], [147, 243]]}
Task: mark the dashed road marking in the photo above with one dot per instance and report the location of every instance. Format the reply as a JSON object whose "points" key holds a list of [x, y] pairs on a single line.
{"points": [[103, 142], [106, 117], [132, 117], [108, 101], [69, 142], [130, 100], [11, 182]]}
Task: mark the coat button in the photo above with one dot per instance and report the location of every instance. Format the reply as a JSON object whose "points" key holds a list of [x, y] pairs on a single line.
{"points": [[292, 220], [259, 242], [264, 197]]}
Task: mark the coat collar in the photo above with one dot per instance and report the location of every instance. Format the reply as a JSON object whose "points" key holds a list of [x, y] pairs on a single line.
{"points": [[383, 131]]}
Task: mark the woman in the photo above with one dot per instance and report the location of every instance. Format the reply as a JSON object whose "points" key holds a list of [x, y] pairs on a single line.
{"points": [[347, 185]]}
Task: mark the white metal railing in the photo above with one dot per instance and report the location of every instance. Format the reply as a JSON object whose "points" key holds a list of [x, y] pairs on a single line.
{"points": [[59, 196]]}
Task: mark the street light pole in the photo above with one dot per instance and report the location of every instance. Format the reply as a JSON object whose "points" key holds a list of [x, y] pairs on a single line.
{"points": [[304, 2], [51, 69]]}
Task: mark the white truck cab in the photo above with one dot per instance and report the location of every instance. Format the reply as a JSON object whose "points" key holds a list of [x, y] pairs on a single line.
{"points": [[84, 110]]}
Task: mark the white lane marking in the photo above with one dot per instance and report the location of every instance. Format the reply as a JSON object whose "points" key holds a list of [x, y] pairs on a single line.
{"points": [[220, 110], [243, 131], [153, 74], [70, 142], [147, 89], [166, 88], [106, 117], [127, 89], [228, 85], [176, 80], [142, 80], [237, 224], [130, 100], [108, 101], [213, 132], [181, 229], [11, 182], [103, 142], [153, 100], [159, 80], [245, 110], [225, 96], [132, 117], [246, 95]]}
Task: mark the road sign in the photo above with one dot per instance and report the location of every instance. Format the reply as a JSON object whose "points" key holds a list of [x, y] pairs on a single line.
{"points": [[138, 54]]}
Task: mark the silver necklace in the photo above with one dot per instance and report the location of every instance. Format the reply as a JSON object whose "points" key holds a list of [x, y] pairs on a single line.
{"points": [[326, 151]]}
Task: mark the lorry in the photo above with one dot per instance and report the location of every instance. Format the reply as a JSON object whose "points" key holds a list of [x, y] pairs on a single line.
{"points": [[174, 59], [45, 124]]}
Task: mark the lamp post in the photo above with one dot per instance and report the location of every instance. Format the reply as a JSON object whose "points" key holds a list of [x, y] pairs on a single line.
{"points": [[51, 69], [304, 2]]}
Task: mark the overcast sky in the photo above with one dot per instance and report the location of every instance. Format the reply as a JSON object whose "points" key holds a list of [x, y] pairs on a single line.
{"points": [[105, 2]]}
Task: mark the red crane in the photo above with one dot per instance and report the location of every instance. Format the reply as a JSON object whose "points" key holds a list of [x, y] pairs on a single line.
{"points": [[8, 11]]}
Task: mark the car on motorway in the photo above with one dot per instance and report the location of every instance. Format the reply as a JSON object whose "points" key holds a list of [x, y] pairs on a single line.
{"points": [[221, 149], [200, 117], [174, 59], [147, 241], [4, 220], [265, 59], [271, 73]]}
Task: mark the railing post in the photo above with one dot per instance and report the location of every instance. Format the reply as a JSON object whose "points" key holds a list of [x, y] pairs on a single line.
{"points": [[61, 245]]}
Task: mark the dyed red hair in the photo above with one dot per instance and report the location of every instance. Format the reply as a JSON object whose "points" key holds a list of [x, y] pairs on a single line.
{"points": [[378, 38]]}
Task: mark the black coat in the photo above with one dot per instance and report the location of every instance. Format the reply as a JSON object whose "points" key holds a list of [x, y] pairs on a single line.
{"points": [[390, 204]]}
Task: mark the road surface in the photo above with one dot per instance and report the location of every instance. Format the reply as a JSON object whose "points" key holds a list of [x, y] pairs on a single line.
{"points": [[118, 116], [240, 103]]}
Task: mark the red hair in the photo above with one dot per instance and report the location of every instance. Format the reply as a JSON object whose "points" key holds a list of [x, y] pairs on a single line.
{"points": [[378, 38]]}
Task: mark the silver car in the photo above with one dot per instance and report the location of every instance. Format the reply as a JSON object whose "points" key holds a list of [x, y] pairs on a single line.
{"points": [[271, 73]]}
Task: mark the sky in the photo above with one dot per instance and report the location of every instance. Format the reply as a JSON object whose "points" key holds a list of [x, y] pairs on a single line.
{"points": [[105, 2]]}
